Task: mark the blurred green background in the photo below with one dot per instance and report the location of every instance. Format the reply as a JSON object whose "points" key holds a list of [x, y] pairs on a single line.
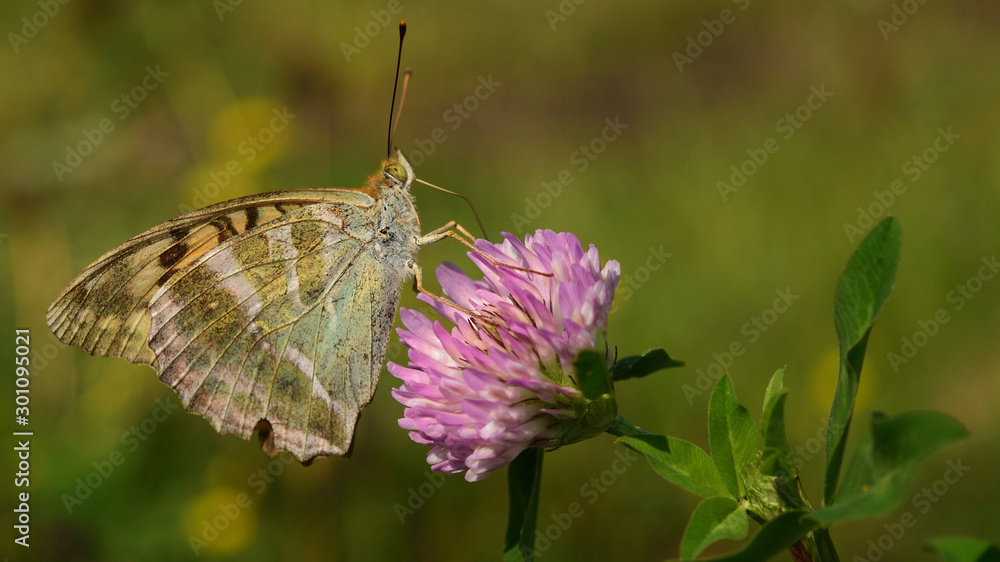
{"points": [[179, 88]]}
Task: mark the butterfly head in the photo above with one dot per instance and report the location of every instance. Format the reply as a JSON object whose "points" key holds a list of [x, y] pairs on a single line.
{"points": [[397, 172]]}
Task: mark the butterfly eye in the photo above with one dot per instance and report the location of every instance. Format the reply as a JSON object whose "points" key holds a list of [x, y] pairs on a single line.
{"points": [[397, 171]]}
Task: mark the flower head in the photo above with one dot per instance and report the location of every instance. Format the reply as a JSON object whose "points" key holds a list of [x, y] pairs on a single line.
{"points": [[502, 379]]}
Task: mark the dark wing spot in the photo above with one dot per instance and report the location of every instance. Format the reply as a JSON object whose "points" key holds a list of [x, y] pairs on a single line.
{"points": [[173, 255], [225, 226], [252, 216], [266, 435]]}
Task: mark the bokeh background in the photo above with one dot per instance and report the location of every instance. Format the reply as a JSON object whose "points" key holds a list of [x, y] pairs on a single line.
{"points": [[180, 86]]}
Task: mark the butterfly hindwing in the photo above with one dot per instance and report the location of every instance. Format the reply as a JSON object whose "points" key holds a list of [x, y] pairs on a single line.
{"points": [[286, 323]]}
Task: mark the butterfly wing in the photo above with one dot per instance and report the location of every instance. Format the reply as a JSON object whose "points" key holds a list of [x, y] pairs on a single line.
{"points": [[105, 309], [270, 311]]}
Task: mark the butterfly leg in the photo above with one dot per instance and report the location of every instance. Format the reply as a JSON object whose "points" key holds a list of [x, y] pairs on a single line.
{"points": [[419, 285], [439, 233], [446, 231]]}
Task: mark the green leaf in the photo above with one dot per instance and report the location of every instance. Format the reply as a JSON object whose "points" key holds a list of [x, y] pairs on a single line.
{"points": [[591, 369], [858, 476], [775, 440], [878, 479], [862, 291], [713, 520], [683, 463], [772, 538], [910, 437], [524, 478], [638, 366], [777, 453], [732, 436], [775, 387], [772, 422], [621, 427], [964, 549]]}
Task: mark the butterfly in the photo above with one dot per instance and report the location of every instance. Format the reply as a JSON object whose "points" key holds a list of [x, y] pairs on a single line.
{"points": [[268, 312]]}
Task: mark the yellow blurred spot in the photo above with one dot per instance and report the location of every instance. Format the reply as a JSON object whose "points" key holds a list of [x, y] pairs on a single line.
{"points": [[251, 132], [823, 383], [220, 521]]}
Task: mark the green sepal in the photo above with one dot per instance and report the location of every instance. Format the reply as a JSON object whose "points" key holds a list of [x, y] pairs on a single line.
{"points": [[638, 366]]}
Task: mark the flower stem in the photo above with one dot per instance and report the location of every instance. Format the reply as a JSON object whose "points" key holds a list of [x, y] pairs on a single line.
{"points": [[524, 478], [824, 546]]}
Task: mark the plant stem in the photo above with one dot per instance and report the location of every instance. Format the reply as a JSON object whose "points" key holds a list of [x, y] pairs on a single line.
{"points": [[824, 546]]}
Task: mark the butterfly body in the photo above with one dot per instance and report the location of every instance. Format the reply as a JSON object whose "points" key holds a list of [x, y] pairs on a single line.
{"points": [[271, 311]]}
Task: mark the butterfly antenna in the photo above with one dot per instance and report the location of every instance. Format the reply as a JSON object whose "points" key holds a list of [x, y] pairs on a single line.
{"points": [[395, 84], [402, 98], [467, 200]]}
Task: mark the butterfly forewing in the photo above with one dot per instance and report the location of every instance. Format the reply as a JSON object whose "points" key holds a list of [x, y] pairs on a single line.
{"points": [[104, 310], [270, 311]]}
